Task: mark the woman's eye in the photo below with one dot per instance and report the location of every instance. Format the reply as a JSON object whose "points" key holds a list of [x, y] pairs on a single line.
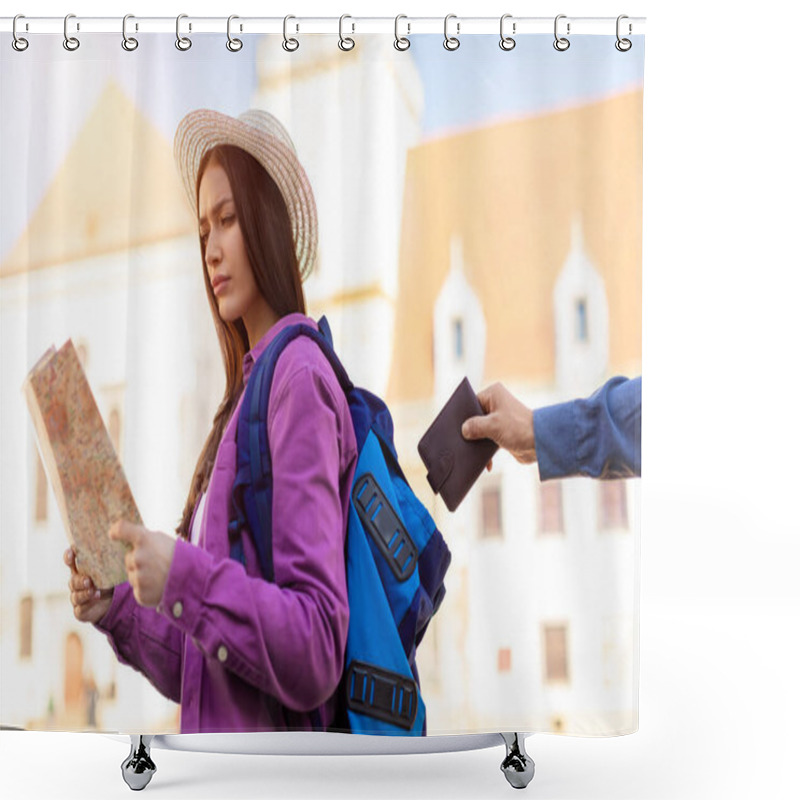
{"points": [[227, 220]]}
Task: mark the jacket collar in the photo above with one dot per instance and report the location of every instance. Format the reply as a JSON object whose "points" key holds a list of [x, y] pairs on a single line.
{"points": [[251, 356]]}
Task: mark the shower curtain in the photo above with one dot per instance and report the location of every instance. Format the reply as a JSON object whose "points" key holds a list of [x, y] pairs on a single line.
{"points": [[480, 216]]}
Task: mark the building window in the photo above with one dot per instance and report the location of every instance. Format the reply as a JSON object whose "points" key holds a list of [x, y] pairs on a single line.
{"points": [[551, 507], [582, 324], [458, 338], [26, 627], [555, 654], [40, 504], [504, 659], [613, 505], [491, 513], [73, 676]]}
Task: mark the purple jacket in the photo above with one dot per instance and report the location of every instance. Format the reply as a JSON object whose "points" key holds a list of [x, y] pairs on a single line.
{"points": [[239, 653]]}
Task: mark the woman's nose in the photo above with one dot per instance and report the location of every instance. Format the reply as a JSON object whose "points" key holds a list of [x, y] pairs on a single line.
{"points": [[213, 251]]}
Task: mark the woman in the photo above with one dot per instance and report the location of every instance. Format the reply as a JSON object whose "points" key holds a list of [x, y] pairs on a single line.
{"points": [[237, 652]]}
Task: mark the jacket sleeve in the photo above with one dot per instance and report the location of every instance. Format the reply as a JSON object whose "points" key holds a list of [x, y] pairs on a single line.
{"points": [[599, 436], [287, 638], [144, 640]]}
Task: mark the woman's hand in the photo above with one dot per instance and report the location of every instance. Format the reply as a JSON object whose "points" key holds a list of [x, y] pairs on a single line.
{"points": [[89, 604], [147, 561]]}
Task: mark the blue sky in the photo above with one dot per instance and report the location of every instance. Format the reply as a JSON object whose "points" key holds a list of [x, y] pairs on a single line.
{"points": [[480, 82]]}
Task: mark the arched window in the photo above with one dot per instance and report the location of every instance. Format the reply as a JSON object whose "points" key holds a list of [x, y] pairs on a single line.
{"points": [[458, 338], [504, 659], [556, 660], [26, 626], [73, 676], [581, 318], [613, 505], [581, 321], [551, 507], [491, 513]]}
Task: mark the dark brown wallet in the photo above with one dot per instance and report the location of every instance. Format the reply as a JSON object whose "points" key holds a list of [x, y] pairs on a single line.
{"points": [[454, 464]]}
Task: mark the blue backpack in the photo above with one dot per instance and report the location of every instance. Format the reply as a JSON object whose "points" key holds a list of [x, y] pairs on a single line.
{"points": [[395, 556]]}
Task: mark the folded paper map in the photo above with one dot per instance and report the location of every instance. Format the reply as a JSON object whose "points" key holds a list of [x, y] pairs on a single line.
{"points": [[81, 463]]}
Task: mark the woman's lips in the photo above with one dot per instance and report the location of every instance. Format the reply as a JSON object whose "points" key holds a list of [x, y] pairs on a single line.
{"points": [[220, 284]]}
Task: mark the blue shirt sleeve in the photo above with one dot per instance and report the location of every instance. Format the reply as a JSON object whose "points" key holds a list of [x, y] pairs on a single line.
{"points": [[598, 437]]}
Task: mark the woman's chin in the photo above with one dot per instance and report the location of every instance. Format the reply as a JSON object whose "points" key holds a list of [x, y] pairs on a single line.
{"points": [[226, 313]]}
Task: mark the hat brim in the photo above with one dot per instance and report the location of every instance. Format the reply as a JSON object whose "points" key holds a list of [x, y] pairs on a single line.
{"points": [[262, 135]]}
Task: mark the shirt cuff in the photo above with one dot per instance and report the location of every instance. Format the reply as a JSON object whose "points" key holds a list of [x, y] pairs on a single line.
{"points": [[555, 440], [119, 616], [184, 590]]}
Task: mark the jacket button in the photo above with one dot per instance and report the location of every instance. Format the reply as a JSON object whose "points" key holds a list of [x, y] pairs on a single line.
{"points": [[177, 609], [222, 653]]}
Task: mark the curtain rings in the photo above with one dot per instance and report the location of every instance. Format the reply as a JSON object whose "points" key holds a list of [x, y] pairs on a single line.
{"points": [[507, 42], [561, 43], [234, 45], [182, 42], [346, 43], [401, 43], [70, 42], [289, 44], [18, 43], [623, 45], [451, 42], [128, 42]]}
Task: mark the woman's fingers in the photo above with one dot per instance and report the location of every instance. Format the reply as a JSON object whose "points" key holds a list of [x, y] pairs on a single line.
{"points": [[89, 603], [84, 596], [83, 587], [78, 582], [69, 560]]}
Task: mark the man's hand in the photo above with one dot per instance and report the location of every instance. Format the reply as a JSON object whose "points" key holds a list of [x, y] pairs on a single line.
{"points": [[147, 561], [508, 423]]}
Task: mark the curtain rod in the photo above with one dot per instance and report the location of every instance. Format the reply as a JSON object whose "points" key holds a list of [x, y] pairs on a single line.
{"points": [[350, 25]]}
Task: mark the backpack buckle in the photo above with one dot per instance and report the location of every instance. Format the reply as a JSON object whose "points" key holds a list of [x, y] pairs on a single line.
{"points": [[384, 526], [383, 695]]}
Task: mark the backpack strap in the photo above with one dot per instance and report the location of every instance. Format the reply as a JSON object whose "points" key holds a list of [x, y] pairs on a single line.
{"points": [[252, 488]]}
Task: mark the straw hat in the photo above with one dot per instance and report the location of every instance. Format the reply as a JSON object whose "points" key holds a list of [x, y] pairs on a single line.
{"points": [[261, 135]]}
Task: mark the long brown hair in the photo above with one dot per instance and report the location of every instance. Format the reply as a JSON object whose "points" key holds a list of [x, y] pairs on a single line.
{"points": [[267, 233]]}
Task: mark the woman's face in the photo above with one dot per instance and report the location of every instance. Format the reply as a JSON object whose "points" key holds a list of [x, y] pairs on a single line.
{"points": [[226, 258]]}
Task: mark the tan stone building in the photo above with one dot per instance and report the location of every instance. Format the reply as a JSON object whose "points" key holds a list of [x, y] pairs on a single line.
{"points": [[520, 262], [110, 259]]}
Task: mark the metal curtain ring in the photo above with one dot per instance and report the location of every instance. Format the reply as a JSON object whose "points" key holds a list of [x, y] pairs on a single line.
{"points": [[623, 45], [182, 42], [128, 42], [346, 43], [289, 44], [234, 45], [401, 43], [506, 42], [561, 43], [18, 43], [451, 42], [70, 42]]}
